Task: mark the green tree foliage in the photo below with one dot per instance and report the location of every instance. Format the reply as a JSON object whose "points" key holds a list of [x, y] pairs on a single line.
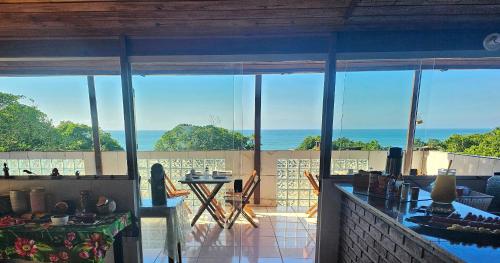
{"points": [[486, 144], [78, 137], [187, 137], [26, 128], [310, 143], [432, 144]]}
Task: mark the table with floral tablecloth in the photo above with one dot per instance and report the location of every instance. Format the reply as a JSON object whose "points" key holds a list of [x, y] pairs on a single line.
{"points": [[70, 243]]}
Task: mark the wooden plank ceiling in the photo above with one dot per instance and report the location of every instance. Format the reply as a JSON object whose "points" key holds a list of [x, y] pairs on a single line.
{"points": [[191, 18], [111, 66]]}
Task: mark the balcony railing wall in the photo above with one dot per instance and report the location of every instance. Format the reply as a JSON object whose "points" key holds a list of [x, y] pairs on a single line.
{"points": [[282, 171]]}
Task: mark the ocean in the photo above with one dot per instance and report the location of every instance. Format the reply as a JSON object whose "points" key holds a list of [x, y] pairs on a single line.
{"points": [[291, 138]]}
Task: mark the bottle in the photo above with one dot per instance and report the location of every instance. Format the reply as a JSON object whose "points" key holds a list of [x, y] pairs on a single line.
{"points": [[390, 188], [84, 201], [206, 173], [393, 171]]}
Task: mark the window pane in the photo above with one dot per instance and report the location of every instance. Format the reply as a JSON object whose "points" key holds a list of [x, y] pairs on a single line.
{"points": [[41, 116], [291, 128], [371, 115], [458, 118], [194, 121], [111, 123]]}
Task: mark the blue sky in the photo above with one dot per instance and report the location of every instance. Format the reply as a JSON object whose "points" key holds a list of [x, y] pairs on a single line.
{"points": [[449, 99]]}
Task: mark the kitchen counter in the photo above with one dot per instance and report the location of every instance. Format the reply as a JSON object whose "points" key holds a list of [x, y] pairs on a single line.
{"points": [[375, 230]]}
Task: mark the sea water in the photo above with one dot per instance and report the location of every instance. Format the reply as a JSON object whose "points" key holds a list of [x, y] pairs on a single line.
{"points": [[288, 139]]}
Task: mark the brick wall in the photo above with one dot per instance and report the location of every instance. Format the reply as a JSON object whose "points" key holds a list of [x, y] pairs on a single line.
{"points": [[368, 236]]}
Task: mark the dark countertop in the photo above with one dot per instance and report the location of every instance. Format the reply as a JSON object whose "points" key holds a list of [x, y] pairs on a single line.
{"points": [[147, 208], [467, 250]]}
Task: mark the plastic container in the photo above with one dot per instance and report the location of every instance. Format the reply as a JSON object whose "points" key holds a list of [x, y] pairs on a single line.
{"points": [[476, 199], [37, 199]]}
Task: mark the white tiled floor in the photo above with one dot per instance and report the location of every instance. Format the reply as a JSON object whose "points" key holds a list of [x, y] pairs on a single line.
{"points": [[284, 235]]}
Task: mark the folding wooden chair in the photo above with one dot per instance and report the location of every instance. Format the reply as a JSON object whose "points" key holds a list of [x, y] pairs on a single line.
{"points": [[315, 187], [247, 193], [173, 192], [246, 188]]}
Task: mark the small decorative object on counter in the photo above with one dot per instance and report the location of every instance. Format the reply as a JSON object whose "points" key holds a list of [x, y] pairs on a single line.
{"points": [[493, 189], [37, 199], [19, 201], [84, 201], [61, 208], [5, 171], [105, 206], [77, 174], [444, 189], [55, 173]]}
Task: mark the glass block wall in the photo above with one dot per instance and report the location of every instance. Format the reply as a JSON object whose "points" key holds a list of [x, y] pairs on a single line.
{"points": [[176, 169], [293, 188], [44, 166]]}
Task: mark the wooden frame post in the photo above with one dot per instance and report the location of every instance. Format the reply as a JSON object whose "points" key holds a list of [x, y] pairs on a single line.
{"points": [[95, 126], [325, 250], [257, 134], [327, 114], [412, 124], [128, 110], [130, 134]]}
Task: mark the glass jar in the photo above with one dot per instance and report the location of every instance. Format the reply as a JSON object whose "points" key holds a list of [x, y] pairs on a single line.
{"points": [[37, 199], [444, 190], [19, 201]]}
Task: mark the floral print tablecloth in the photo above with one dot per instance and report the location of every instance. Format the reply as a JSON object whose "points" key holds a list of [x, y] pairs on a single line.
{"points": [[70, 243]]}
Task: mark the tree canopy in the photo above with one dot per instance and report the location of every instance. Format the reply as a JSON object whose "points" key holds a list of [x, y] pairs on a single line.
{"points": [[26, 128], [77, 137], [311, 142], [486, 144], [187, 137]]}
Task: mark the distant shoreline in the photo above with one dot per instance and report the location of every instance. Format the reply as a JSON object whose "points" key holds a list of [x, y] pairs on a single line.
{"points": [[286, 139]]}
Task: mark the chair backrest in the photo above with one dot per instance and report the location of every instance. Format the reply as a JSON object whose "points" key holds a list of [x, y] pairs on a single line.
{"points": [[249, 182], [312, 181], [169, 186], [250, 185]]}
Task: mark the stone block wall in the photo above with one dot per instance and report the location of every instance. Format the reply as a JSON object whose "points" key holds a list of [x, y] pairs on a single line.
{"points": [[367, 236]]}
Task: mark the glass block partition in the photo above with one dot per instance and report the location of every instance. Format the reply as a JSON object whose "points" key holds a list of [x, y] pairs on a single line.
{"points": [[44, 166], [293, 188], [176, 169]]}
